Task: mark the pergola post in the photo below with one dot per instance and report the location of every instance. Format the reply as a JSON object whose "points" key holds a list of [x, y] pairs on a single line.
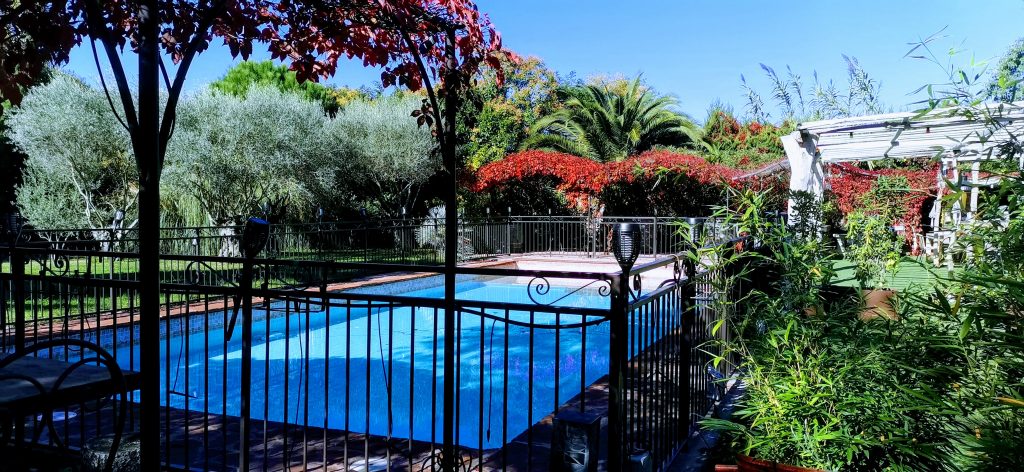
{"points": [[805, 170], [940, 183], [975, 188]]}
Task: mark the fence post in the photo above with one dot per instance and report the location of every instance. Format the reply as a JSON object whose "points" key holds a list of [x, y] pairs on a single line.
{"points": [[245, 419], [654, 235], [689, 316], [547, 231], [18, 292], [508, 232], [618, 353]]}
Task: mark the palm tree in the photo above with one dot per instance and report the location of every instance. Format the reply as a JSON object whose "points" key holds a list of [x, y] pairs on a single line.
{"points": [[612, 123]]}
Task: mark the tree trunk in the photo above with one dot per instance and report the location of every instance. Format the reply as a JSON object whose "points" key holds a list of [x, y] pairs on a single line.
{"points": [[146, 142], [228, 242], [451, 248]]}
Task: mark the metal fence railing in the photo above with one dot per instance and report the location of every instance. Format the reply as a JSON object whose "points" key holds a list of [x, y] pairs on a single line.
{"points": [[352, 379], [406, 241], [669, 381]]}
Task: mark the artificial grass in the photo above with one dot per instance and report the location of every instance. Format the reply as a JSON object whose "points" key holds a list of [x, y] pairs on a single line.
{"points": [[912, 272]]}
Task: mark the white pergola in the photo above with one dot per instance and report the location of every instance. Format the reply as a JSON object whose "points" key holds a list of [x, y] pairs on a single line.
{"points": [[951, 135]]}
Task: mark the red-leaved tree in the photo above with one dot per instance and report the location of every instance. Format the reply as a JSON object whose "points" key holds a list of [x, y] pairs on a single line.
{"points": [[433, 44]]}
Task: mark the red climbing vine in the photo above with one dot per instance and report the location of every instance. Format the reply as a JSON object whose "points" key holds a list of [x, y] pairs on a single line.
{"points": [[849, 184], [648, 182]]}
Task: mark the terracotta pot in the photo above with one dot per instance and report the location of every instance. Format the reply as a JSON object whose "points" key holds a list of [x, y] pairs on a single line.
{"points": [[749, 464], [878, 303]]}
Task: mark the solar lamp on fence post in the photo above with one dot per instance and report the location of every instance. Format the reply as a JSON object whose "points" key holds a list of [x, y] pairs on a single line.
{"points": [[625, 247]]}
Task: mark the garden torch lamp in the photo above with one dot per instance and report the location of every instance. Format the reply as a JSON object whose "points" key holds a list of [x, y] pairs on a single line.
{"points": [[626, 245], [254, 237]]}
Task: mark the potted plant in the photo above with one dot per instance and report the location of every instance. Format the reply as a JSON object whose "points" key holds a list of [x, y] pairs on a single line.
{"points": [[875, 250]]}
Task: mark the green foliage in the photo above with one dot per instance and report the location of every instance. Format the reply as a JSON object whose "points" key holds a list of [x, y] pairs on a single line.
{"points": [[80, 169], [530, 86], [608, 123], [500, 129], [874, 246], [380, 157], [729, 142], [985, 300], [234, 155], [822, 100], [808, 215], [823, 389], [986, 297], [1005, 83], [884, 196], [230, 157], [248, 74], [496, 118]]}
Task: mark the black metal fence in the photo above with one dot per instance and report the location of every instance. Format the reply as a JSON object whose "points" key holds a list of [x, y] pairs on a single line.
{"points": [[266, 366], [406, 241]]}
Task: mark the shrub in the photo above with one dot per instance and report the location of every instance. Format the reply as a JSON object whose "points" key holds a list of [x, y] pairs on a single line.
{"points": [[746, 146], [659, 181], [823, 389]]}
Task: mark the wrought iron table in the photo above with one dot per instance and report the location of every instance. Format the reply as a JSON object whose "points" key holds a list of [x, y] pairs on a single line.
{"points": [[86, 382], [32, 385]]}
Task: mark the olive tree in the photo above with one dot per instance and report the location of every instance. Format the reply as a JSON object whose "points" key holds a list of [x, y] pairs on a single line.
{"points": [[238, 156], [80, 171], [385, 155]]}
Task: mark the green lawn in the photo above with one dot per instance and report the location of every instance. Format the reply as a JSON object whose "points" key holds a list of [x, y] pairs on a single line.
{"points": [[912, 272], [53, 300], [102, 266]]}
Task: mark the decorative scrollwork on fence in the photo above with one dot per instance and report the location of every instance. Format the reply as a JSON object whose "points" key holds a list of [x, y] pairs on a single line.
{"points": [[435, 461], [272, 275], [679, 273], [196, 272], [540, 286], [584, 320], [636, 288], [53, 264]]}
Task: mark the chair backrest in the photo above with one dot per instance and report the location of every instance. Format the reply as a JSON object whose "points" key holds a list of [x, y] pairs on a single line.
{"points": [[85, 353]]}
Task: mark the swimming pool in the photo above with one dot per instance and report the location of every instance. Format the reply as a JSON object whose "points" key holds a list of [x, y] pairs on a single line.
{"points": [[379, 370]]}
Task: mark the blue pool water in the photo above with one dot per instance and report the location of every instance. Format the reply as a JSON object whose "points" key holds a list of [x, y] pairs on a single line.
{"points": [[380, 370]]}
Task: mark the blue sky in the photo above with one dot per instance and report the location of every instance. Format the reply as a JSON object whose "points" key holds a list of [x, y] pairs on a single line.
{"points": [[697, 50]]}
